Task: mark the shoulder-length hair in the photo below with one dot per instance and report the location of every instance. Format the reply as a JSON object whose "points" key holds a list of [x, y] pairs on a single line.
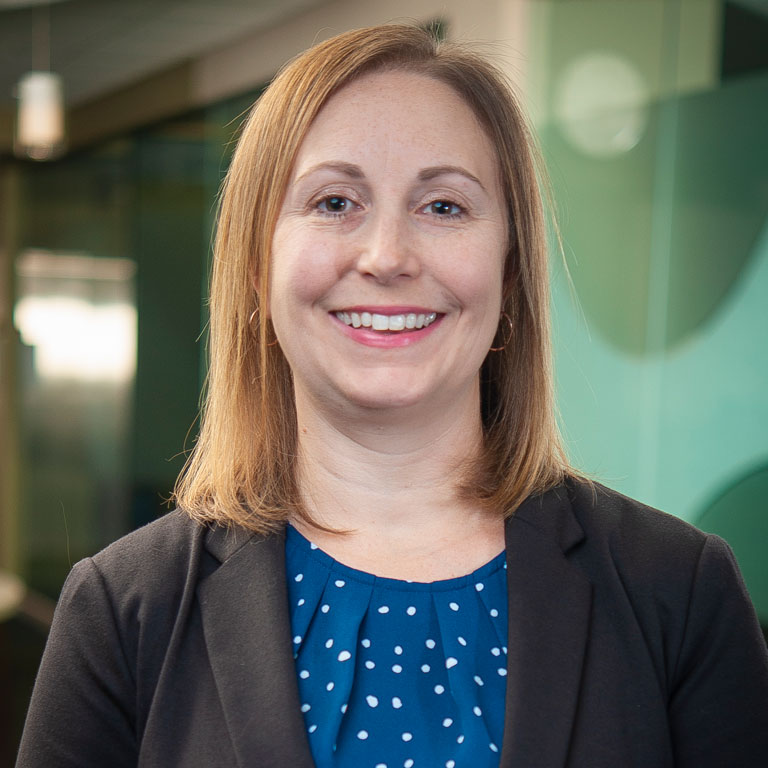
{"points": [[242, 467]]}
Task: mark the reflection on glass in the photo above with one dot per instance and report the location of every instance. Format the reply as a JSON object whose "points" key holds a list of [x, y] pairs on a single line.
{"points": [[77, 318], [601, 103], [78, 315]]}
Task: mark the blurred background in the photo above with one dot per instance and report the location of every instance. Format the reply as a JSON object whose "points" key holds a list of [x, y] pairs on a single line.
{"points": [[117, 119]]}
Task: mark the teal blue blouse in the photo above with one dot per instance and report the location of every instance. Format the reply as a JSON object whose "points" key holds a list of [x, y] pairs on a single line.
{"points": [[398, 674]]}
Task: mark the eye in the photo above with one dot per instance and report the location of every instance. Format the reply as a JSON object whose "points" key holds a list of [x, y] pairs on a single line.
{"points": [[444, 208], [334, 204]]}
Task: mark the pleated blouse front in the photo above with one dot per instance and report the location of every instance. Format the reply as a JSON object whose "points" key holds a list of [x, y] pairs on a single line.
{"points": [[395, 673]]}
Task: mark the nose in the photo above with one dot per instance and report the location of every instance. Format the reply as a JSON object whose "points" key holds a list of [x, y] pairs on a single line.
{"points": [[387, 249]]}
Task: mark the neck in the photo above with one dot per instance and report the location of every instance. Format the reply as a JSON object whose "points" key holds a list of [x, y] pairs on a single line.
{"points": [[387, 481], [357, 470]]}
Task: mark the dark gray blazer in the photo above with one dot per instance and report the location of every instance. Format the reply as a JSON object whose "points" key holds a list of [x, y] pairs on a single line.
{"points": [[632, 643]]}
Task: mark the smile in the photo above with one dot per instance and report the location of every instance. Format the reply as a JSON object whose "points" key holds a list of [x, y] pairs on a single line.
{"points": [[377, 322]]}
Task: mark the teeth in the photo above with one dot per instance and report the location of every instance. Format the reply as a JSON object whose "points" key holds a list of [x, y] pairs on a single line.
{"points": [[387, 322], [380, 323]]}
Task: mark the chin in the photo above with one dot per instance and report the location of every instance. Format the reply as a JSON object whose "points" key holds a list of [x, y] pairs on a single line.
{"points": [[381, 402], [378, 396]]}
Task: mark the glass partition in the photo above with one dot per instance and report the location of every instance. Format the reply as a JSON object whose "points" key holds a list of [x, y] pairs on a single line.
{"points": [[652, 116]]}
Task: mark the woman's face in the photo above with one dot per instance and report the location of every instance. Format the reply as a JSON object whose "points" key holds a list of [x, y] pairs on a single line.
{"points": [[389, 250]]}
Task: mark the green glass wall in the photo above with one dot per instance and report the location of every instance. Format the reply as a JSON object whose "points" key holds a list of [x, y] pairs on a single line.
{"points": [[111, 248], [653, 118], [656, 143], [100, 453]]}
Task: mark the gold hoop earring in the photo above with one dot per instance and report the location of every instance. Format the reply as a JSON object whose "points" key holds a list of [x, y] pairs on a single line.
{"points": [[506, 317], [250, 322]]}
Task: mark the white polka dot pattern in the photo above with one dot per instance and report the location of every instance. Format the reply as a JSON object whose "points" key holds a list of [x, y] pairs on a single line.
{"points": [[394, 673]]}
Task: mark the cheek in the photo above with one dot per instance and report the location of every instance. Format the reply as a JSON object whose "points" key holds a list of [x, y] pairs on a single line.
{"points": [[303, 270], [477, 273]]}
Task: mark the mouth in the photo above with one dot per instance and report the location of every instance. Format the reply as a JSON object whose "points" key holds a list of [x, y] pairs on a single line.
{"points": [[393, 323]]}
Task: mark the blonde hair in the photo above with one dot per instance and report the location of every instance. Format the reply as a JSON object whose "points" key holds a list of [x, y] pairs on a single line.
{"points": [[242, 468]]}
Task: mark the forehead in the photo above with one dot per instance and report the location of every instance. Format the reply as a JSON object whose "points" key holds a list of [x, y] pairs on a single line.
{"points": [[401, 113]]}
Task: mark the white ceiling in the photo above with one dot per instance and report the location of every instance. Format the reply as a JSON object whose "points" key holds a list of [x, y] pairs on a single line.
{"points": [[100, 45]]}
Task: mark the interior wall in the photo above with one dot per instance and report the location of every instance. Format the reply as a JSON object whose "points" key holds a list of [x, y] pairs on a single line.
{"points": [[655, 152], [653, 159]]}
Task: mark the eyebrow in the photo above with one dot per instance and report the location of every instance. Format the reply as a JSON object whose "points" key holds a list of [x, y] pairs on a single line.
{"points": [[348, 169], [427, 174], [356, 172]]}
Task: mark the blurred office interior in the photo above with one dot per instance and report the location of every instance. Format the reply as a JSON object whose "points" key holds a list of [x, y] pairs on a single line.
{"points": [[653, 121]]}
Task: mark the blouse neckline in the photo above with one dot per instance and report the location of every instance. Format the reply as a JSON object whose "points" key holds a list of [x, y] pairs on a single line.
{"points": [[293, 536]]}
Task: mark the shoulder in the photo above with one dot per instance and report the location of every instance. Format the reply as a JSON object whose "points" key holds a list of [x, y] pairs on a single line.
{"points": [[170, 536], [153, 555], [633, 531], [649, 569], [632, 552], [142, 577], [582, 515], [151, 575], [651, 555]]}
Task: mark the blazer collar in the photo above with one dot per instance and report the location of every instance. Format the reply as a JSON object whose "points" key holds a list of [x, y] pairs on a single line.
{"points": [[246, 623], [549, 608], [247, 632]]}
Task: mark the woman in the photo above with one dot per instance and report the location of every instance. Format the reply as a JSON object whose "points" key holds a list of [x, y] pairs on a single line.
{"points": [[381, 556]]}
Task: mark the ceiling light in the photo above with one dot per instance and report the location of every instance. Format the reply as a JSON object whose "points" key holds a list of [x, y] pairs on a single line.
{"points": [[40, 119]]}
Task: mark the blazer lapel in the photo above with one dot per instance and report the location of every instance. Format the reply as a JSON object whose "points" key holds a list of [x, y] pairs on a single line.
{"points": [[549, 608], [244, 605]]}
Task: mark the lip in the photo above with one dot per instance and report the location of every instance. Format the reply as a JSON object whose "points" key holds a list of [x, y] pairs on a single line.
{"points": [[371, 338]]}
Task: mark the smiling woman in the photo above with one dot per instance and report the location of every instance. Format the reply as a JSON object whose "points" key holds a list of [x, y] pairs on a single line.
{"points": [[417, 229], [317, 183], [381, 556]]}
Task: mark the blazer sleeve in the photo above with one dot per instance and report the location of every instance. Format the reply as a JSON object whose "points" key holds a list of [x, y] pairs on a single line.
{"points": [[82, 711], [718, 708]]}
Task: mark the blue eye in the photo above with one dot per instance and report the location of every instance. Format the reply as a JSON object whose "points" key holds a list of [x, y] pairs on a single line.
{"points": [[444, 208]]}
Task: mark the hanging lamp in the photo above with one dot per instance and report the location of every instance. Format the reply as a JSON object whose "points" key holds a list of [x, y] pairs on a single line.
{"points": [[40, 118], [40, 131]]}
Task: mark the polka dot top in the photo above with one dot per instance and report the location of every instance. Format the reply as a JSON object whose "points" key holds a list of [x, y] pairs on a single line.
{"points": [[396, 673]]}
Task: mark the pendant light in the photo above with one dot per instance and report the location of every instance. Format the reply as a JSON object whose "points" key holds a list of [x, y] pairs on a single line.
{"points": [[40, 120], [40, 117]]}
